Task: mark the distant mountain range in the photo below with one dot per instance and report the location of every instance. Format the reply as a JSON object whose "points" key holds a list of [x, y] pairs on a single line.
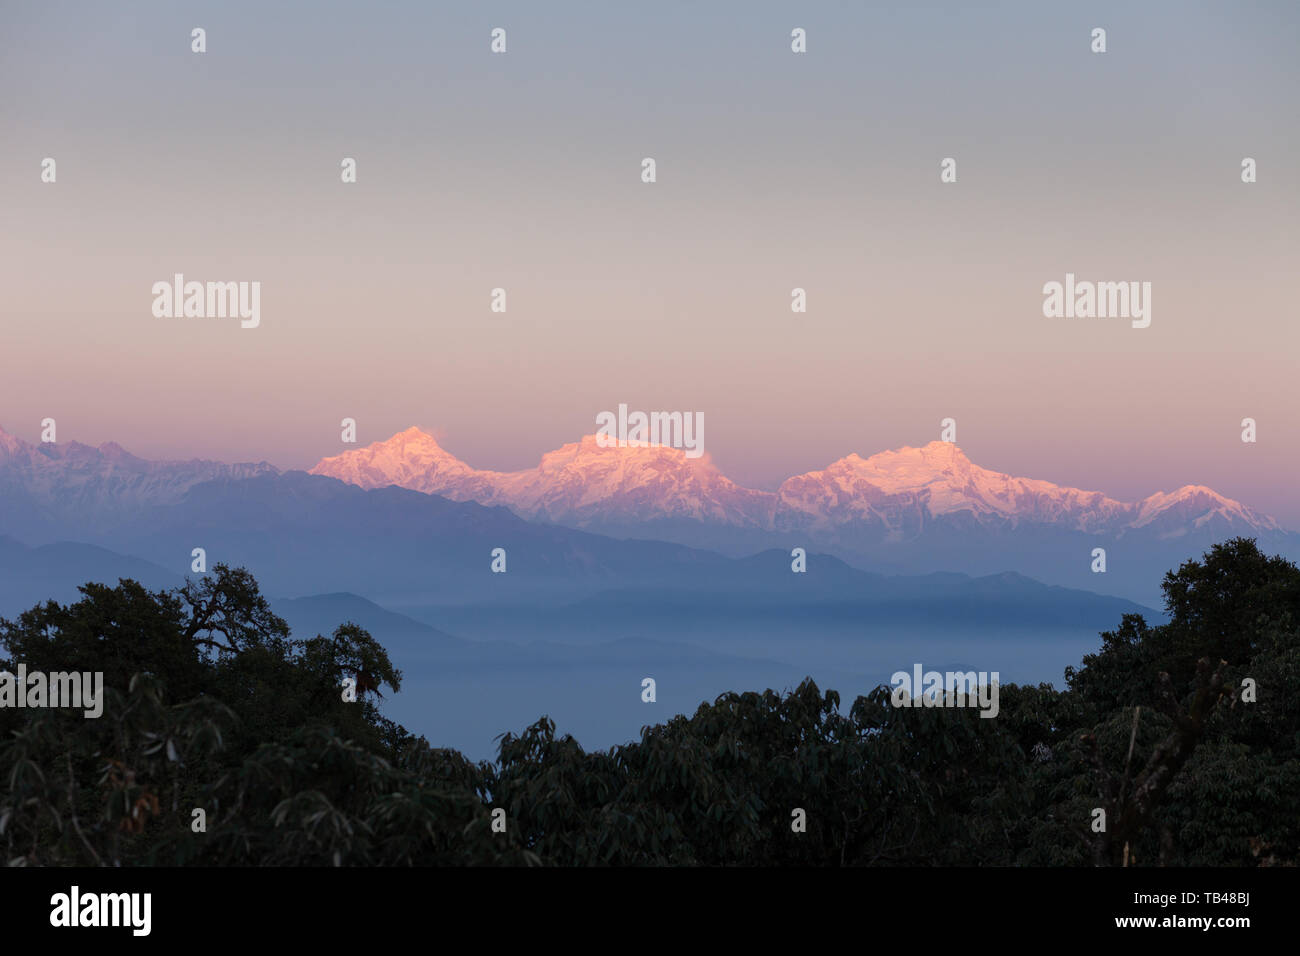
{"points": [[891, 496], [53, 490], [580, 617], [406, 515], [911, 510], [699, 623]]}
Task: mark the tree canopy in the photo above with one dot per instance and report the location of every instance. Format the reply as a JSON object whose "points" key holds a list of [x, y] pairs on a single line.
{"points": [[1186, 735]]}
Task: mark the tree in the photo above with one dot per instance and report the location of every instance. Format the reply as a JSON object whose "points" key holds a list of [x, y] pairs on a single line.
{"points": [[213, 706]]}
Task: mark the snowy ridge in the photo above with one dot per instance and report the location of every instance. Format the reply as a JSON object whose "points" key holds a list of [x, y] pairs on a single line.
{"points": [[99, 484], [896, 491], [894, 495]]}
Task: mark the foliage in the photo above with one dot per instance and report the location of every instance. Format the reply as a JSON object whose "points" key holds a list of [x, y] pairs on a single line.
{"points": [[212, 705]]}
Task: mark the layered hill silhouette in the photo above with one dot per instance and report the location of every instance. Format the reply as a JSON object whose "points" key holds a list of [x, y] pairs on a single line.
{"points": [[581, 616], [483, 653], [909, 510], [408, 512]]}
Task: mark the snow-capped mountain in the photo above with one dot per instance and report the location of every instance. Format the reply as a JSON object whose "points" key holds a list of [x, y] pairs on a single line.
{"points": [[906, 511], [70, 487], [891, 496], [901, 490], [578, 484], [411, 459]]}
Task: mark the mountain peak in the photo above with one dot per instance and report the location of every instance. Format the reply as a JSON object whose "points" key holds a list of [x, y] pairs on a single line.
{"points": [[413, 440], [591, 444], [936, 454], [578, 482], [112, 451], [1197, 505], [900, 490], [411, 459], [903, 470], [415, 433], [411, 436]]}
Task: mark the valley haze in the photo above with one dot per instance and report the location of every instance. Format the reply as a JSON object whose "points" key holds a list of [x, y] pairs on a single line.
{"points": [[623, 562]]}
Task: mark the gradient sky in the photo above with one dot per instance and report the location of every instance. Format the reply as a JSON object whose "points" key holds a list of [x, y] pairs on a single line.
{"points": [[775, 170]]}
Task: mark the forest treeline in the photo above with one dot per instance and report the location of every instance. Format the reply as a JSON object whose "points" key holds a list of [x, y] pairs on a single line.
{"points": [[225, 740]]}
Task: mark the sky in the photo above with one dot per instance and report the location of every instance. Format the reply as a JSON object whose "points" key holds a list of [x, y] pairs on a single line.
{"points": [[775, 170]]}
